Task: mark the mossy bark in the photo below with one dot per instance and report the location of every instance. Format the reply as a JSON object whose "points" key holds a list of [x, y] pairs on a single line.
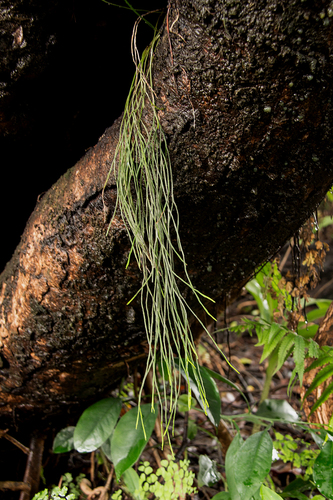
{"points": [[245, 98]]}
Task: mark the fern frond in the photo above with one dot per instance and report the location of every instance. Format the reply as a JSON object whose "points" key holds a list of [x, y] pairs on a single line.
{"points": [[314, 349], [325, 395], [321, 361], [286, 345], [323, 375], [292, 381], [263, 332], [275, 335], [299, 356]]}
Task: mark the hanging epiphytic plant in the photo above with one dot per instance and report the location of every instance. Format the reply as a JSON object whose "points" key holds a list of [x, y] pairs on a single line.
{"points": [[146, 203]]}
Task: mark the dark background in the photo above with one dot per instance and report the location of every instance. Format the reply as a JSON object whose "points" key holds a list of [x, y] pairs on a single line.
{"points": [[59, 108]]}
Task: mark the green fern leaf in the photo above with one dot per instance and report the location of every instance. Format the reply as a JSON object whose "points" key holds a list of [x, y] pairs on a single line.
{"points": [[323, 360], [292, 381], [262, 334], [325, 395], [323, 375], [314, 349], [284, 349], [299, 356], [275, 335]]}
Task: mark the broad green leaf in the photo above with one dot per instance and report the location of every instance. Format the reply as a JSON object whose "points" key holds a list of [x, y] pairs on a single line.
{"points": [[253, 463], [96, 424], [217, 376], [192, 429], [130, 438], [182, 403], [132, 482], [323, 470], [318, 436], [255, 290], [213, 410], [299, 356], [208, 473], [223, 495], [323, 375], [307, 331], [106, 447], [324, 396], [268, 494], [256, 495], [64, 440], [297, 494], [277, 408], [321, 303], [298, 485], [316, 314], [231, 465]]}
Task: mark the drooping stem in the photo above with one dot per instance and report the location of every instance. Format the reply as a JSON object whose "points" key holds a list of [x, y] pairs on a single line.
{"points": [[147, 206]]}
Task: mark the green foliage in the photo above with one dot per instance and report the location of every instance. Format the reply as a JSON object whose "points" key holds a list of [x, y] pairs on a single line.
{"points": [[55, 494], [247, 464], [323, 470], [128, 441], [64, 440], [324, 359], [68, 491], [278, 341], [122, 443], [208, 398], [96, 424], [177, 481], [277, 409], [268, 494], [296, 451]]}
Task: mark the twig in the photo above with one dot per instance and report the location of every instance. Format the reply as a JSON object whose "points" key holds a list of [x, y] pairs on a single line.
{"points": [[92, 467], [85, 487], [322, 288], [155, 452], [285, 258], [15, 486], [34, 465], [3, 433]]}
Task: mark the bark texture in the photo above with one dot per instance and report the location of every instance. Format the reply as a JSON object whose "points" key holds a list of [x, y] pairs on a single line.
{"points": [[323, 414], [245, 99]]}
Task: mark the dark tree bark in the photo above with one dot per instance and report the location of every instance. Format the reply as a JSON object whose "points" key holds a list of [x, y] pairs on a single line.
{"points": [[245, 98]]}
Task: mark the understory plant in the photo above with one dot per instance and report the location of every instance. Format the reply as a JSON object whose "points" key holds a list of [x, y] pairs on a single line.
{"points": [[69, 489], [247, 465], [278, 338]]}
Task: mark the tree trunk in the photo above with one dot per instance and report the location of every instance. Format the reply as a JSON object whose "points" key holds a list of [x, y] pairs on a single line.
{"points": [[323, 414], [245, 98]]}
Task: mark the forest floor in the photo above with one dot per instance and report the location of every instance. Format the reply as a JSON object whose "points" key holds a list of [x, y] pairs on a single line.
{"points": [[245, 357], [204, 440]]}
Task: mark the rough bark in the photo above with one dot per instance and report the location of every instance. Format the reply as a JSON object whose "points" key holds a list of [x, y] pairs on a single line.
{"points": [[323, 414], [244, 92]]}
